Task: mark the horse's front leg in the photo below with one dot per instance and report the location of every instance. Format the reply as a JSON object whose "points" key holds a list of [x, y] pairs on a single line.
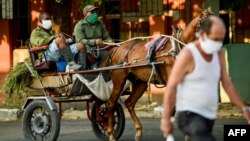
{"points": [[138, 89], [118, 84], [111, 134], [111, 108]]}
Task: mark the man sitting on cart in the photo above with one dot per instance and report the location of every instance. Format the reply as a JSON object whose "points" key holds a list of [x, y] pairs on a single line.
{"points": [[92, 32], [44, 35]]}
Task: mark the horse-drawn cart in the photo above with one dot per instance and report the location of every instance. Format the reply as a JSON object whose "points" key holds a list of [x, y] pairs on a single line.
{"points": [[42, 113]]}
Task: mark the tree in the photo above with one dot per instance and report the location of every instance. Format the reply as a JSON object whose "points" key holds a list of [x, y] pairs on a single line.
{"points": [[93, 2], [85, 2]]}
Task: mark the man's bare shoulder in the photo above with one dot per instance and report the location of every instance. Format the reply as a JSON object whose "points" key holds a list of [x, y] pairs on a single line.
{"points": [[185, 60], [185, 54]]}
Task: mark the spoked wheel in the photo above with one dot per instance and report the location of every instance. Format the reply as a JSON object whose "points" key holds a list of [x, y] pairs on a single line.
{"points": [[40, 123], [100, 126]]}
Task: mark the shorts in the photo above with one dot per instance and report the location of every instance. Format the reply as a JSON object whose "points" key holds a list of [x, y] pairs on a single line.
{"points": [[197, 127], [53, 52]]}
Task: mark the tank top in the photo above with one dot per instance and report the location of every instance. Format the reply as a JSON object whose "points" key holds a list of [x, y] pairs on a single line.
{"points": [[198, 91]]}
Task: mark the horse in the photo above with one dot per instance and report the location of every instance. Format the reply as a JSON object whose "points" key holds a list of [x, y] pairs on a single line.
{"points": [[134, 52]]}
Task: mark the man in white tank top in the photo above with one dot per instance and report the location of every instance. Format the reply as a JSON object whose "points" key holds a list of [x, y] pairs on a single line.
{"points": [[193, 84]]}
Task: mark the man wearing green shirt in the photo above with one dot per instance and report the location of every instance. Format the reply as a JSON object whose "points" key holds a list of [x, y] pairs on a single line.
{"points": [[92, 32], [43, 35]]}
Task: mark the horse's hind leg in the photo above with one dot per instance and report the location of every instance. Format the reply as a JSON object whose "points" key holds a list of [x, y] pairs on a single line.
{"points": [[138, 89]]}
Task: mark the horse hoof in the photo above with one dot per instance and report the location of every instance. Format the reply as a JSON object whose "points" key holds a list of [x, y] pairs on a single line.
{"points": [[112, 139], [187, 138], [138, 138]]}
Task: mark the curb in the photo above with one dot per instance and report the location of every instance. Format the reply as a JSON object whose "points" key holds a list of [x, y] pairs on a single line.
{"points": [[226, 110], [9, 114], [14, 114], [78, 115], [145, 111]]}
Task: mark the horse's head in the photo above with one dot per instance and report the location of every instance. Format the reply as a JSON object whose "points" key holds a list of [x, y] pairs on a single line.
{"points": [[188, 34]]}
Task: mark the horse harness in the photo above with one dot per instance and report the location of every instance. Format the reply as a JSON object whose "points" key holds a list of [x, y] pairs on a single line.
{"points": [[158, 44], [173, 52], [126, 54], [151, 57]]}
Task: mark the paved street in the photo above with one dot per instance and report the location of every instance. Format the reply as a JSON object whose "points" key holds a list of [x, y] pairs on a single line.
{"points": [[80, 130]]}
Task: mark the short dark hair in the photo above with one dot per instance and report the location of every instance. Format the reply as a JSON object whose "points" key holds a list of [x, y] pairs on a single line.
{"points": [[206, 24], [43, 15]]}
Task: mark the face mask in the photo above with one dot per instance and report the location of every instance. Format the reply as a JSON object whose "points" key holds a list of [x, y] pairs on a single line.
{"points": [[210, 46], [93, 18], [46, 24]]}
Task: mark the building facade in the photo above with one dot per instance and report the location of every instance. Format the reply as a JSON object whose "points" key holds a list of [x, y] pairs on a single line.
{"points": [[124, 19]]}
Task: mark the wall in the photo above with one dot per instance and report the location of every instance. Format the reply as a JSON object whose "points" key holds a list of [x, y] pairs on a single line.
{"points": [[76, 12], [36, 7], [5, 46], [238, 67], [156, 25]]}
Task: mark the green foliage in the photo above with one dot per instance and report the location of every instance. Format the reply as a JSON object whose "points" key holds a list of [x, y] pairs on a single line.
{"points": [[84, 2], [17, 80], [15, 101], [92, 2]]}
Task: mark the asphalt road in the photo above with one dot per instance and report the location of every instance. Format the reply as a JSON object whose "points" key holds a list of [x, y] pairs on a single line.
{"points": [[80, 130]]}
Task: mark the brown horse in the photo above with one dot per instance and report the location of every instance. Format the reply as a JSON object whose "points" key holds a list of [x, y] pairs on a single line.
{"points": [[130, 53]]}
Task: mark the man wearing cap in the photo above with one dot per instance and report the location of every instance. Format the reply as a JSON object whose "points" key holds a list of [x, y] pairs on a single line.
{"points": [[91, 32]]}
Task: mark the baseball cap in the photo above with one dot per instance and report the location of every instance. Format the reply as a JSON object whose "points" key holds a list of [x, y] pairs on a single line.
{"points": [[89, 8]]}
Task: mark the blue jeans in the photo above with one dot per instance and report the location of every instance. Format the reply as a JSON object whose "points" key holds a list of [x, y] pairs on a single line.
{"points": [[53, 53], [196, 126]]}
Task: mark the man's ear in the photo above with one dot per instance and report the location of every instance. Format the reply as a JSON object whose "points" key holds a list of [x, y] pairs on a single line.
{"points": [[197, 34], [202, 34]]}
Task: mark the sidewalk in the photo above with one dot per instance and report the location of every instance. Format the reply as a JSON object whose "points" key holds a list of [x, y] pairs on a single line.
{"points": [[225, 111], [143, 109]]}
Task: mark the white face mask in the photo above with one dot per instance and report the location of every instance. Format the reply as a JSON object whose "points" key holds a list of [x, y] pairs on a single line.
{"points": [[46, 24], [210, 46]]}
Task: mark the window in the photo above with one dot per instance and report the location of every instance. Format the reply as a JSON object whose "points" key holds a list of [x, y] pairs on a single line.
{"points": [[6, 9]]}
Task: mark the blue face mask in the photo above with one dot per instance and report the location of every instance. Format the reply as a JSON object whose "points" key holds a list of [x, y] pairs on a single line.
{"points": [[93, 18]]}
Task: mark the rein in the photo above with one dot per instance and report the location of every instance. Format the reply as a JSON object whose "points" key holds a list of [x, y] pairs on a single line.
{"points": [[172, 51], [142, 38]]}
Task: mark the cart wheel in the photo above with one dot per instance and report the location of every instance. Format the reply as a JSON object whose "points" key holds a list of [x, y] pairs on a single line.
{"points": [[40, 122], [100, 127]]}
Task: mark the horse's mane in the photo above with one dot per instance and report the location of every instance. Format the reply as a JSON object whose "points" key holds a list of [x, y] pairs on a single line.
{"points": [[203, 14]]}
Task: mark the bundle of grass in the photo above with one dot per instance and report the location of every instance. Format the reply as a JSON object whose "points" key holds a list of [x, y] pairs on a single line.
{"points": [[17, 80]]}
